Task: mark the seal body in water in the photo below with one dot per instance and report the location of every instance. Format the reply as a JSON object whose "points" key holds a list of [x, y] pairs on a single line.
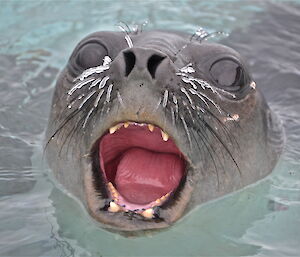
{"points": [[145, 126]]}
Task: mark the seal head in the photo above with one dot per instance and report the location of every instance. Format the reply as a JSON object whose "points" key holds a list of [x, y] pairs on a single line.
{"points": [[146, 126]]}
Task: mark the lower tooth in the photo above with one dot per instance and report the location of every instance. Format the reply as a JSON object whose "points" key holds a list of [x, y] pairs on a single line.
{"points": [[113, 207], [148, 214]]}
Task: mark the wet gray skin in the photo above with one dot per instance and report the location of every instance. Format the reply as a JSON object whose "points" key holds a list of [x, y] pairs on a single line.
{"points": [[201, 94]]}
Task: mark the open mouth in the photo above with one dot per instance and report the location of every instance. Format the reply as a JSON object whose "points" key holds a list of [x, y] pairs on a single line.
{"points": [[142, 167]]}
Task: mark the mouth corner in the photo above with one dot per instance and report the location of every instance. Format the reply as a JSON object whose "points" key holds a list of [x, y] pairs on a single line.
{"points": [[138, 175]]}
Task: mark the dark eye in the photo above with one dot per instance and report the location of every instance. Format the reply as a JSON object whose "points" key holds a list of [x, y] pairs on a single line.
{"points": [[228, 74], [90, 55]]}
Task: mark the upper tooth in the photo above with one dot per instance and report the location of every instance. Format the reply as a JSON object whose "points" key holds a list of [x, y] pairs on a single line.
{"points": [[150, 127], [126, 124], [113, 129], [148, 213], [113, 207], [164, 135]]}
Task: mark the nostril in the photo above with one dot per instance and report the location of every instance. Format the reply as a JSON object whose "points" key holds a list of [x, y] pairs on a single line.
{"points": [[153, 63], [129, 62]]}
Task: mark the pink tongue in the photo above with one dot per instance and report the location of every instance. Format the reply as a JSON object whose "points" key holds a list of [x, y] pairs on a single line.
{"points": [[144, 176]]}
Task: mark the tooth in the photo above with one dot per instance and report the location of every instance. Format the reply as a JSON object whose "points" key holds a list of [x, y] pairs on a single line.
{"points": [[158, 201], [151, 127], [164, 135], [115, 195], [113, 129], [148, 213], [164, 197], [253, 85], [126, 124], [111, 186], [113, 207]]}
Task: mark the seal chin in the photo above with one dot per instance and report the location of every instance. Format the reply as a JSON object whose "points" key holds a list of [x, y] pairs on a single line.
{"points": [[138, 172]]}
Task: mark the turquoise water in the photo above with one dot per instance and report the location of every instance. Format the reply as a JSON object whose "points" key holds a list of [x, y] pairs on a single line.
{"points": [[38, 218]]}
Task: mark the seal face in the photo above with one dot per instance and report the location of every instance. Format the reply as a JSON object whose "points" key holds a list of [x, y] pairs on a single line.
{"points": [[145, 126]]}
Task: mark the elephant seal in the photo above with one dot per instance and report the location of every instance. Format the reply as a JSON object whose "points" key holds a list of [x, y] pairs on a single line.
{"points": [[144, 126]]}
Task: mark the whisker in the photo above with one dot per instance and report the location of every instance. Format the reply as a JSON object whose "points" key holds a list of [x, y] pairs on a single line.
{"points": [[204, 84], [213, 34], [187, 69], [176, 104], [86, 99], [209, 150], [173, 116], [121, 27], [189, 111], [120, 99], [215, 134], [95, 82], [74, 129], [144, 24], [198, 108], [186, 130], [110, 87], [72, 102], [200, 35], [98, 98], [225, 92], [69, 117], [80, 84], [186, 79], [158, 104], [202, 96], [200, 32], [103, 82], [183, 90], [127, 37], [87, 117], [98, 69], [199, 94], [165, 100], [129, 41]]}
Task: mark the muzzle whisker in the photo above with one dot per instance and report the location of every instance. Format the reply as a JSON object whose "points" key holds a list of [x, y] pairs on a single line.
{"points": [[86, 99], [186, 130], [98, 98], [120, 99], [108, 94], [158, 104], [95, 82], [98, 69], [87, 117], [183, 90], [165, 100], [79, 85]]}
